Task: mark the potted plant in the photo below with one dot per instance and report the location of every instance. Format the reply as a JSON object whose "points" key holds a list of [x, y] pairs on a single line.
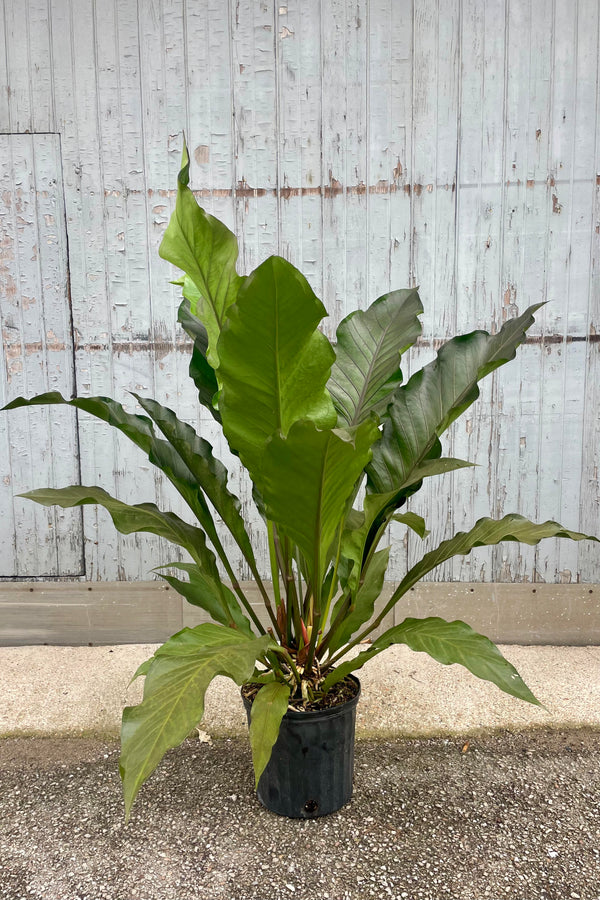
{"points": [[313, 424]]}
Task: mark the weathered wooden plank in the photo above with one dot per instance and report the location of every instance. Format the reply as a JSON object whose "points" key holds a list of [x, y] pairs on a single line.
{"points": [[4, 79], [18, 70], [400, 90], [516, 437], [35, 25], [41, 445], [254, 102], [590, 463], [75, 98], [435, 117], [388, 198], [256, 188], [299, 128]]}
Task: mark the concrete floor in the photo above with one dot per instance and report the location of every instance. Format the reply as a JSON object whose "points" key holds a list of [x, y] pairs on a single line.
{"points": [[82, 690], [440, 808]]}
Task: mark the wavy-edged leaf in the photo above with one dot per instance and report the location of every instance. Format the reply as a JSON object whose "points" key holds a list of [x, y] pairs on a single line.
{"points": [[142, 669], [129, 519], [140, 430], [362, 600], [432, 399], [136, 428], [201, 371], [414, 522], [430, 467], [208, 593], [268, 709], [446, 642], [208, 472], [309, 505], [174, 690], [207, 251], [274, 362], [485, 533], [369, 345]]}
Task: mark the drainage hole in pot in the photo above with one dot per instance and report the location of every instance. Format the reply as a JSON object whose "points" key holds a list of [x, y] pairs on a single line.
{"points": [[311, 806]]}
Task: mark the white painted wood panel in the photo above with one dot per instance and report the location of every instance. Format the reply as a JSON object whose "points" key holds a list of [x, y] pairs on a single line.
{"points": [[38, 447], [449, 143]]}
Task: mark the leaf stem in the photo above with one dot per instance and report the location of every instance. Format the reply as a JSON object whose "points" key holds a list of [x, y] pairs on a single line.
{"points": [[237, 587], [332, 589]]}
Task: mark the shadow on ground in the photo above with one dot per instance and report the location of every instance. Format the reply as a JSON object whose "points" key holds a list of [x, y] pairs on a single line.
{"points": [[514, 816]]}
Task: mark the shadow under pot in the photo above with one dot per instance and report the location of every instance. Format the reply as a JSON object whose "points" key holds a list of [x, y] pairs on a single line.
{"points": [[311, 767]]}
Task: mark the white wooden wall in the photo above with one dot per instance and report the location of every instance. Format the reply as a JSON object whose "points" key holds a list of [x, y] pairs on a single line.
{"points": [[447, 143]]}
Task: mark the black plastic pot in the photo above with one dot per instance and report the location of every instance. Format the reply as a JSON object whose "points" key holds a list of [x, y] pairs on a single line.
{"points": [[312, 763]]}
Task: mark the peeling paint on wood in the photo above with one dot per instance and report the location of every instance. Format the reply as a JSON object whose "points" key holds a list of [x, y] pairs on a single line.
{"points": [[37, 448], [451, 143]]}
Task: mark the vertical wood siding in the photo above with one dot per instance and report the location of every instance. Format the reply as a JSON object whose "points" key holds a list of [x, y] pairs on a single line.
{"points": [[35, 322], [452, 144]]}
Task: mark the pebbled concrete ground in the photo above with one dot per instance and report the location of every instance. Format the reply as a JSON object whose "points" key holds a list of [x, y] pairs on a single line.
{"points": [[460, 791], [508, 816]]}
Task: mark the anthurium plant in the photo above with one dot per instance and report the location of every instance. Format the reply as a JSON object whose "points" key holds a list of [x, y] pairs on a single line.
{"points": [[317, 425]]}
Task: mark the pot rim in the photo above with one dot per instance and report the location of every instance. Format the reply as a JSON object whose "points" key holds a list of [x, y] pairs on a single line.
{"points": [[330, 712]]}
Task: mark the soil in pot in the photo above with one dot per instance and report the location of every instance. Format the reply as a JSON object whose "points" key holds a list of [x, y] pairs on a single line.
{"points": [[312, 763]]}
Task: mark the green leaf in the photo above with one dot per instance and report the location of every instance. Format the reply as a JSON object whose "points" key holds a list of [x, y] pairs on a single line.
{"points": [[268, 709], [359, 525], [206, 470], [423, 409], [201, 371], [435, 467], [129, 519], [362, 601], [369, 346], [174, 693], [308, 479], [137, 428], [206, 250], [274, 362], [140, 430], [413, 521], [485, 533], [207, 591], [446, 642], [142, 669]]}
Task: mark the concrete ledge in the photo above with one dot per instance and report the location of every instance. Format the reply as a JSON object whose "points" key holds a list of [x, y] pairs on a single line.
{"points": [[79, 613], [82, 691]]}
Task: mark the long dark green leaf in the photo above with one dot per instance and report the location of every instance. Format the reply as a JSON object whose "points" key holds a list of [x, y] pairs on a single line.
{"points": [[205, 249], [201, 371], [423, 409], [140, 430], [268, 709], [208, 472], [129, 519], [369, 345], [309, 504], [485, 533], [446, 642], [173, 703], [274, 362], [206, 590]]}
